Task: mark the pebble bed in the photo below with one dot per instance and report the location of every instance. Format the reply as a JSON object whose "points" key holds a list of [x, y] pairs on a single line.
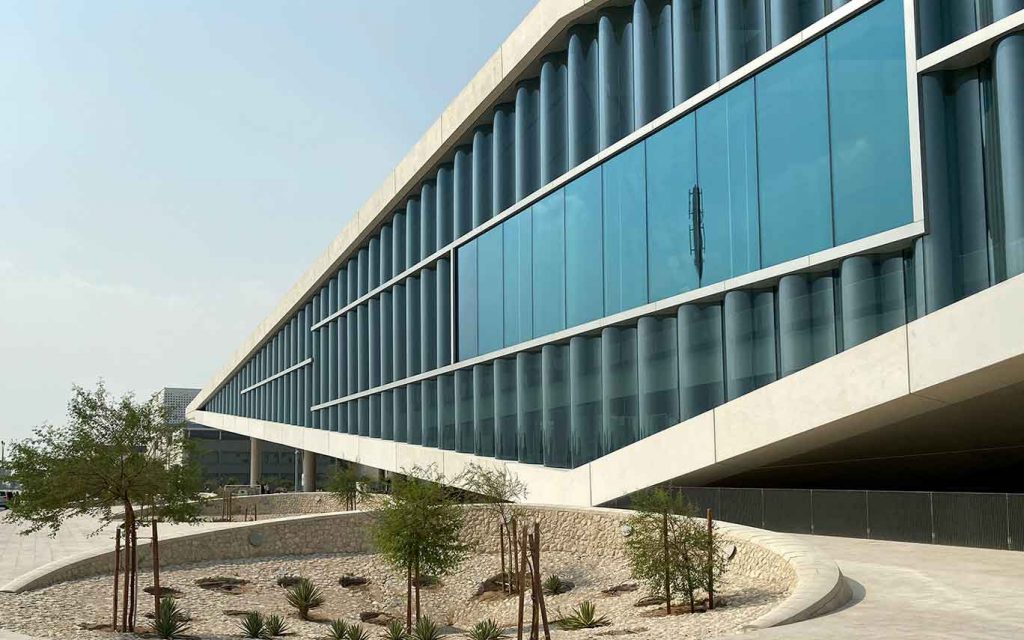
{"points": [[60, 610]]}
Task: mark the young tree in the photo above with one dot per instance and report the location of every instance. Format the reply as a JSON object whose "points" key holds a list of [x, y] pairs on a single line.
{"points": [[661, 544], [344, 484], [113, 453], [500, 490], [418, 530]]}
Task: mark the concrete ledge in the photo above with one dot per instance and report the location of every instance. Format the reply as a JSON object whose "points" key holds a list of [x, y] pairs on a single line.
{"points": [[820, 586]]}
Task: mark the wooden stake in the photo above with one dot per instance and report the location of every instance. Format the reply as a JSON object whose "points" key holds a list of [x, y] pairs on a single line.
{"points": [[668, 574], [537, 581], [504, 576], [124, 606], [535, 613], [156, 572], [711, 562], [117, 573], [520, 577]]}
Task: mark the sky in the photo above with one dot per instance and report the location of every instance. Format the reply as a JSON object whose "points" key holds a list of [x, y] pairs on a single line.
{"points": [[169, 169]]}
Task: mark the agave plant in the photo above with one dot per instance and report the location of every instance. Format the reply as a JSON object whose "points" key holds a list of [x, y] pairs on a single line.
{"points": [[304, 595], [338, 630], [171, 622], [395, 631], [275, 625], [425, 629], [553, 585], [583, 617], [486, 630], [253, 625], [357, 632]]}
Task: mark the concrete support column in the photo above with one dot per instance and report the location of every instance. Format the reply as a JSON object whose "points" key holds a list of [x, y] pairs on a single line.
{"points": [[308, 471], [255, 461]]}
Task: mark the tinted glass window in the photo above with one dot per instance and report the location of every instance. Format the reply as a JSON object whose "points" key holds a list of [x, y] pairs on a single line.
{"points": [[870, 138], [793, 156], [549, 264], [584, 283], [625, 231], [727, 176], [671, 178]]}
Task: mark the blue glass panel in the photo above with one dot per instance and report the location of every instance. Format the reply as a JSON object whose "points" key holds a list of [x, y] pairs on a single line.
{"points": [[490, 294], [671, 176], [625, 231], [793, 162], [584, 295], [518, 271], [549, 264], [727, 171], [868, 114], [467, 301]]}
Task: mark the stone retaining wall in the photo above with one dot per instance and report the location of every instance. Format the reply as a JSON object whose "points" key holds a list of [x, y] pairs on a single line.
{"points": [[593, 531], [820, 586], [276, 504]]}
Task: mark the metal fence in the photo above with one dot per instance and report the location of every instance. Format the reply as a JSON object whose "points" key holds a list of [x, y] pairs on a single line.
{"points": [[987, 520]]}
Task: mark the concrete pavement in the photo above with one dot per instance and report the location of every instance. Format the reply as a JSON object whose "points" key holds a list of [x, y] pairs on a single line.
{"points": [[925, 592]]}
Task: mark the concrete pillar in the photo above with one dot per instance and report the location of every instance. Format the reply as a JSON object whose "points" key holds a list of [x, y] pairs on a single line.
{"points": [[308, 471], [255, 461]]}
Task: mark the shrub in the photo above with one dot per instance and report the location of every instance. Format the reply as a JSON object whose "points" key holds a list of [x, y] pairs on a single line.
{"points": [[275, 625], [395, 631], [485, 630], [253, 625], [425, 629], [583, 617], [171, 621], [305, 595], [553, 585]]}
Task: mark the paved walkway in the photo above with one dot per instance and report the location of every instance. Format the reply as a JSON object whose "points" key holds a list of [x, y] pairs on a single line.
{"points": [[20, 554], [925, 592]]}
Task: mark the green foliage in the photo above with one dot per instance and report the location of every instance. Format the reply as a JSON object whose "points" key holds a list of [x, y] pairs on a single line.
{"points": [[485, 630], [113, 452], [668, 549], [171, 621], [337, 630], [304, 595], [357, 632], [344, 484], [553, 585], [583, 617], [426, 629], [419, 525], [253, 625], [275, 625], [395, 631]]}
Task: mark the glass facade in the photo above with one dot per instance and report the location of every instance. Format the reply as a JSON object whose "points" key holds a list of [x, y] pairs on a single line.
{"points": [[809, 153]]}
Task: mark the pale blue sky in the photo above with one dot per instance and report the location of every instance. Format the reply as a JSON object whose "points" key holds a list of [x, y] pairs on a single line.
{"points": [[168, 169]]}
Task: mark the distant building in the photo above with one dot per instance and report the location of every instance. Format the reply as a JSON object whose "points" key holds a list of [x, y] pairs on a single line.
{"points": [[224, 456]]}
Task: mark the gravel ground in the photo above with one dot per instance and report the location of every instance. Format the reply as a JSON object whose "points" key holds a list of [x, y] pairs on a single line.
{"points": [[59, 610]]}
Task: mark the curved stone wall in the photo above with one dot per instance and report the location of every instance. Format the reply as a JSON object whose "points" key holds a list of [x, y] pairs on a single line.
{"points": [[819, 584]]}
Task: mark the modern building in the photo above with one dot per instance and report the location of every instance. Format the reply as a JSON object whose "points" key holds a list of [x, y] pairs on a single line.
{"points": [[761, 243], [226, 457]]}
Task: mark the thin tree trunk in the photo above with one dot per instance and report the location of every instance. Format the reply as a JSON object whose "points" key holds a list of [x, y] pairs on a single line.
{"points": [[127, 572], [408, 598], [156, 572], [513, 541], [535, 613], [417, 590], [135, 578], [711, 562], [665, 560], [117, 573], [520, 577], [537, 581], [504, 575]]}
